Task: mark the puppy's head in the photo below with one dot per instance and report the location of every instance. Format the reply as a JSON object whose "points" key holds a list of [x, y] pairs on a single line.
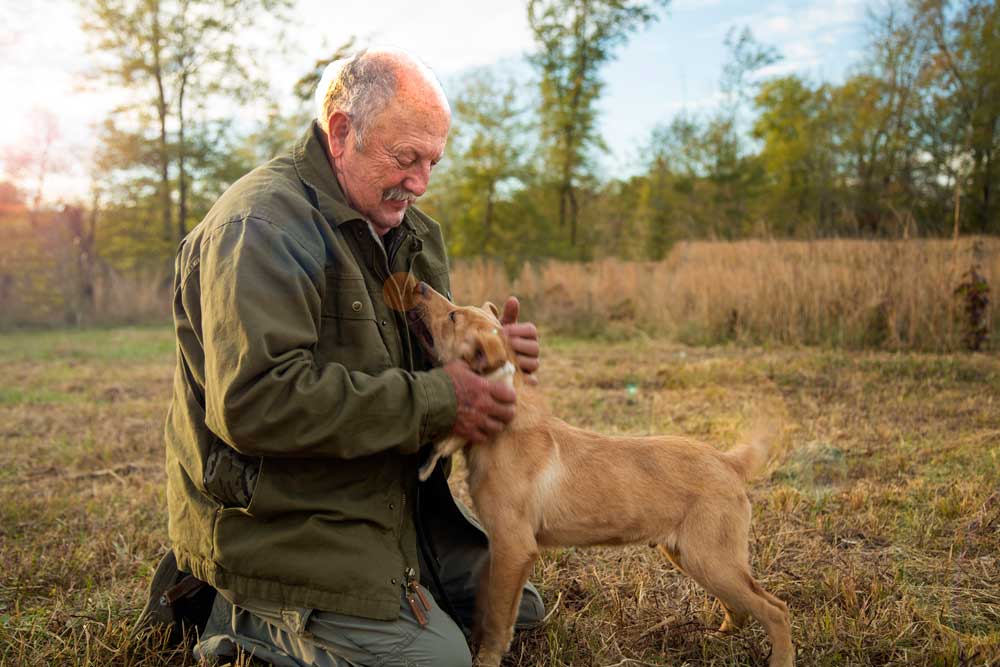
{"points": [[448, 332]]}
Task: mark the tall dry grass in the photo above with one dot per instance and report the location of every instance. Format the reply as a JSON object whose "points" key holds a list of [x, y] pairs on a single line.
{"points": [[853, 293], [884, 294]]}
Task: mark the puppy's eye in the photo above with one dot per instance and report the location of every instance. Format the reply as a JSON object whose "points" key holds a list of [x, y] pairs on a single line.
{"points": [[451, 316]]}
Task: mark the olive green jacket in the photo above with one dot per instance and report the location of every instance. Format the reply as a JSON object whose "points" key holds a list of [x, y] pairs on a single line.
{"points": [[299, 400]]}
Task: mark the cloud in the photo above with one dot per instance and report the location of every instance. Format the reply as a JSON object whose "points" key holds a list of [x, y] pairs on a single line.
{"points": [[449, 35], [710, 101], [694, 5], [802, 34]]}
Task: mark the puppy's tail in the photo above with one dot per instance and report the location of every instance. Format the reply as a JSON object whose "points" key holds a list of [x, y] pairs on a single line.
{"points": [[752, 456]]}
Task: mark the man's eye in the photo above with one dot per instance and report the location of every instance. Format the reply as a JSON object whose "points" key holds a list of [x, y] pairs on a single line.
{"points": [[405, 163], [451, 316]]}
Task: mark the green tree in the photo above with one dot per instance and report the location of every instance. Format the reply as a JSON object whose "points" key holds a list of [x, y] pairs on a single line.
{"points": [[796, 129], [576, 38], [178, 57], [305, 87], [965, 98], [669, 203], [874, 114], [489, 159]]}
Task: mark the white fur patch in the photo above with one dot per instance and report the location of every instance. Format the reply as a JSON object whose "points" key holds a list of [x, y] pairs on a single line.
{"points": [[505, 373], [550, 476]]}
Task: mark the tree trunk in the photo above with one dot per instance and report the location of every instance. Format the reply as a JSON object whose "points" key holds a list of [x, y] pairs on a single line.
{"points": [[181, 173], [161, 110], [566, 182], [88, 253], [562, 203], [488, 217], [571, 194], [987, 190], [43, 167], [984, 216], [958, 206]]}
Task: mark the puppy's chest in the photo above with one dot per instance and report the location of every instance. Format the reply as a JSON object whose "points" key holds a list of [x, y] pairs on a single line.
{"points": [[512, 469], [488, 462], [479, 463]]}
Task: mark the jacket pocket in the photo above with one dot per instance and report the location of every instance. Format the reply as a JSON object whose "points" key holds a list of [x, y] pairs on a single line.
{"points": [[230, 477], [349, 333]]}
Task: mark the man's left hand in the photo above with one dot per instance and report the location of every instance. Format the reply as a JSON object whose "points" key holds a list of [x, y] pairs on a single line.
{"points": [[523, 338]]}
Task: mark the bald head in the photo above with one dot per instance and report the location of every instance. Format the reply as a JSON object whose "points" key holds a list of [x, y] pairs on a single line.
{"points": [[373, 80]]}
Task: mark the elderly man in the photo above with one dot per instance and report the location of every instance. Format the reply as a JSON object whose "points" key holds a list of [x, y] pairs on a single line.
{"points": [[302, 403]]}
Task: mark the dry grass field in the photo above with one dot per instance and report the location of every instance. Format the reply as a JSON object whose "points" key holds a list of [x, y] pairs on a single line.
{"points": [[860, 294], [891, 295], [880, 526]]}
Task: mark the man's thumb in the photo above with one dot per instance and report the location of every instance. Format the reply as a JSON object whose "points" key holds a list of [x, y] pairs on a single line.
{"points": [[510, 311]]}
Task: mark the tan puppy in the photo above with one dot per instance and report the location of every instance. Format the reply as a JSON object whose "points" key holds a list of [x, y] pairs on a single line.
{"points": [[544, 483]]}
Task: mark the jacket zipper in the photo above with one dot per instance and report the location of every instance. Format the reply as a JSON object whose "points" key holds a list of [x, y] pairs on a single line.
{"points": [[416, 599]]}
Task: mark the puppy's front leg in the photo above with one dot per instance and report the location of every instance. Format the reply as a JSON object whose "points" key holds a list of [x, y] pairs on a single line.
{"points": [[513, 551]]}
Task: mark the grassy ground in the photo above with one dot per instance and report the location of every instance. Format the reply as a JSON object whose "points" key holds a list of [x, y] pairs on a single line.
{"points": [[880, 527]]}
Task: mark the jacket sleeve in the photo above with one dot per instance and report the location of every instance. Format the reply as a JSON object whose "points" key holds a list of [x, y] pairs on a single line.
{"points": [[264, 393]]}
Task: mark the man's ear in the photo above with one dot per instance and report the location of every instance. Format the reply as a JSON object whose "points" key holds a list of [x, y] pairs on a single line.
{"points": [[490, 306], [339, 129]]}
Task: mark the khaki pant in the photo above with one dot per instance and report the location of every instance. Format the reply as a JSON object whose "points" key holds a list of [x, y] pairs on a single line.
{"points": [[301, 638], [453, 552]]}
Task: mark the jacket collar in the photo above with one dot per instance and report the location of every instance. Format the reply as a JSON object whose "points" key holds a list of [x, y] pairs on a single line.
{"points": [[316, 172]]}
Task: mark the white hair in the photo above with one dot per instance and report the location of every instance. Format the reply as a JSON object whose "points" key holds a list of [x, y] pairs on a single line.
{"points": [[360, 86]]}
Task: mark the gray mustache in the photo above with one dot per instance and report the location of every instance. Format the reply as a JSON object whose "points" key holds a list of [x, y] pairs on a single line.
{"points": [[399, 193]]}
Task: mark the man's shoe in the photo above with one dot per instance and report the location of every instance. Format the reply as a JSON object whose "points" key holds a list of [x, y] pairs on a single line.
{"points": [[177, 600]]}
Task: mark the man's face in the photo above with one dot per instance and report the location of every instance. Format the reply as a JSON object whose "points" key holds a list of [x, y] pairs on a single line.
{"points": [[394, 167]]}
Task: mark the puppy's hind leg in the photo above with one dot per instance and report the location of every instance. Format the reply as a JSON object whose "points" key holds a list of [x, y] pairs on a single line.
{"points": [[733, 620], [738, 591], [716, 555]]}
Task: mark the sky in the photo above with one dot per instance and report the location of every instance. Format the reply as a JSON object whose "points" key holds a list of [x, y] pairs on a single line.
{"points": [[668, 68]]}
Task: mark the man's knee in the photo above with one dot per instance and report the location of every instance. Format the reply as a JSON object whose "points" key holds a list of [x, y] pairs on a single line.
{"points": [[435, 646], [453, 653]]}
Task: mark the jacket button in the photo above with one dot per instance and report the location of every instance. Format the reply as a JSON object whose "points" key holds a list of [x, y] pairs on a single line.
{"points": [[394, 582], [384, 322], [356, 306], [392, 506]]}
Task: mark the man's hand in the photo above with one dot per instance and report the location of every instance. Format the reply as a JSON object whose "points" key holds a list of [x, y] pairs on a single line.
{"points": [[523, 338], [484, 408]]}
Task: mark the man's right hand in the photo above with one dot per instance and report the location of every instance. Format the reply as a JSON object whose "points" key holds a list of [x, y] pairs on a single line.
{"points": [[484, 408]]}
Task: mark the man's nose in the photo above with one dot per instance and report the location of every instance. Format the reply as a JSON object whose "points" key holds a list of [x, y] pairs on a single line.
{"points": [[417, 180]]}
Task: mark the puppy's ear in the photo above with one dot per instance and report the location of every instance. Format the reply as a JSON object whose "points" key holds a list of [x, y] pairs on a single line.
{"points": [[489, 354], [492, 307]]}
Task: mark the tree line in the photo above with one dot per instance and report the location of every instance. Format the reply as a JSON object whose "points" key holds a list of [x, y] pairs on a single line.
{"points": [[907, 145]]}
